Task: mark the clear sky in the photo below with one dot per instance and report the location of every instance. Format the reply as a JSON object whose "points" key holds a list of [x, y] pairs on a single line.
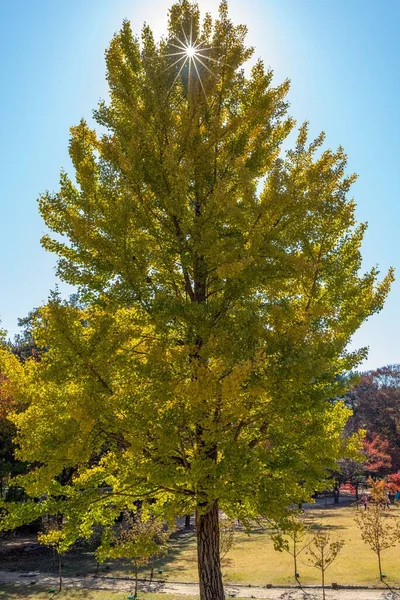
{"points": [[342, 57]]}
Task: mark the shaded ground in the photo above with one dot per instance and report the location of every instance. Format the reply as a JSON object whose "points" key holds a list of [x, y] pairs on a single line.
{"points": [[10, 592], [252, 559], [23, 553]]}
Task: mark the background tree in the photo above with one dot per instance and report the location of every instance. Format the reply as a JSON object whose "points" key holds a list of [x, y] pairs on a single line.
{"points": [[140, 538], [293, 537], [226, 537], [378, 460], [352, 471], [377, 526], [393, 482], [9, 465], [322, 551], [23, 344], [375, 402], [220, 286]]}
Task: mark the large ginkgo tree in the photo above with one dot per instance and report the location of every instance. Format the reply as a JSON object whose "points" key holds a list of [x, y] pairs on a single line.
{"points": [[219, 281]]}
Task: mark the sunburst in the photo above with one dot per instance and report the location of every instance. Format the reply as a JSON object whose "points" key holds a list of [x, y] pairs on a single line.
{"points": [[191, 53]]}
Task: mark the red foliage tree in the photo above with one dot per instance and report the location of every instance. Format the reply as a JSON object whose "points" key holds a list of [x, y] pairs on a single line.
{"points": [[379, 461], [348, 488], [393, 482], [375, 402]]}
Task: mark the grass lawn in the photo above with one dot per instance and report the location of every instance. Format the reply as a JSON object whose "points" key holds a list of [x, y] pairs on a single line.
{"points": [[252, 560]]}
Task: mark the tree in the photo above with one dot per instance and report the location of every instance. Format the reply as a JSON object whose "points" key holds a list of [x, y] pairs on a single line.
{"points": [[375, 402], [297, 529], [352, 472], [140, 538], [376, 525], [53, 537], [9, 466], [23, 344], [220, 286], [226, 537], [379, 460], [322, 552], [393, 482]]}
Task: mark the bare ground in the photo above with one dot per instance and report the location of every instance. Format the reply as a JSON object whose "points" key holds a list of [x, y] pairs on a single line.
{"points": [[47, 580]]}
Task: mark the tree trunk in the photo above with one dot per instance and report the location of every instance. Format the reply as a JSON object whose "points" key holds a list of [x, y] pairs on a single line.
{"points": [[380, 565], [187, 521], [59, 571], [208, 557], [136, 580], [336, 494], [296, 573]]}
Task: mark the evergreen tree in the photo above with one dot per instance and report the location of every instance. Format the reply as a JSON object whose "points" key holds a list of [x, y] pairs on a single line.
{"points": [[220, 286]]}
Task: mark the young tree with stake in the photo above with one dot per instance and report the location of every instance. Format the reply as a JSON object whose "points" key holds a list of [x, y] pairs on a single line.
{"points": [[220, 287], [140, 538], [322, 552], [293, 537], [53, 537], [377, 527]]}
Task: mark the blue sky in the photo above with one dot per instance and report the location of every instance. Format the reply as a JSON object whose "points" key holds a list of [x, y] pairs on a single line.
{"points": [[342, 57]]}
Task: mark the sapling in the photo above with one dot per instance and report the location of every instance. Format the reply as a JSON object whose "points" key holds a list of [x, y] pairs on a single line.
{"points": [[226, 537], [293, 537], [322, 551], [376, 524], [53, 536], [139, 537]]}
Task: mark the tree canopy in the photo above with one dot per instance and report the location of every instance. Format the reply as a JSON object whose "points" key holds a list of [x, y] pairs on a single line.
{"points": [[220, 285]]}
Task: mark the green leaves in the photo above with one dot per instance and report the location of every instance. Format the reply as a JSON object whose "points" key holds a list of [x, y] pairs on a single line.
{"points": [[220, 284]]}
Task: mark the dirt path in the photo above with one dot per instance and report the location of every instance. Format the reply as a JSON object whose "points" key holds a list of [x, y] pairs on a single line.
{"points": [[232, 591]]}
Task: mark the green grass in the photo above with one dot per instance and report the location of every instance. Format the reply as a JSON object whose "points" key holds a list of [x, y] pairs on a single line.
{"points": [[252, 559]]}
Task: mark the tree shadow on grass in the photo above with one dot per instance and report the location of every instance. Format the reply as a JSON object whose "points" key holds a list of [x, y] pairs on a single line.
{"points": [[327, 514], [81, 562], [181, 542]]}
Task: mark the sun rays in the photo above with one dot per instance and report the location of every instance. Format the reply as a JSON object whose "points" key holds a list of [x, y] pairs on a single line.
{"points": [[191, 54]]}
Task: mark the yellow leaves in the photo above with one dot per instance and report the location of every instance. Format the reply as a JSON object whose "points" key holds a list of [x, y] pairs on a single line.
{"points": [[232, 269], [232, 384], [13, 377], [86, 426], [216, 318], [83, 143], [90, 476], [354, 445], [52, 538], [197, 391], [378, 489]]}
